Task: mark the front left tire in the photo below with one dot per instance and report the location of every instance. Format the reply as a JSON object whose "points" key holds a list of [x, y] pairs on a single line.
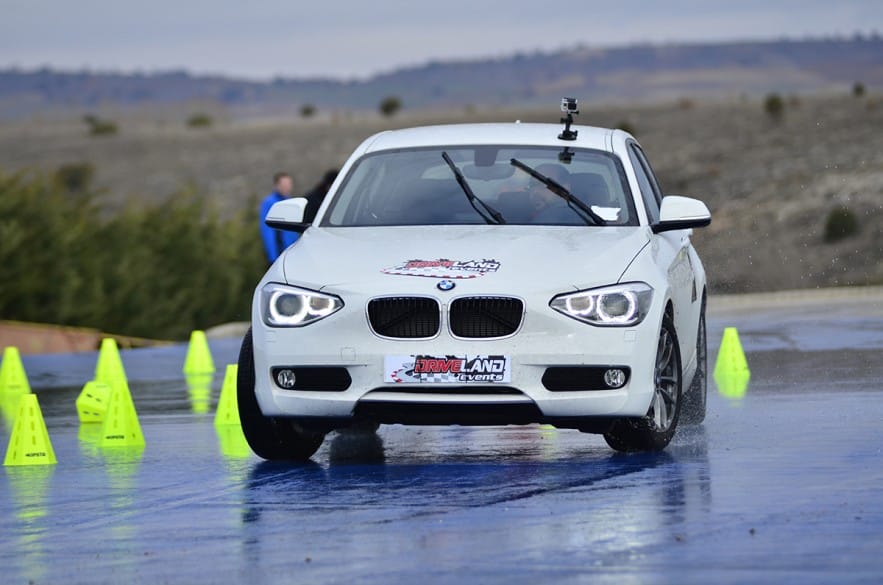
{"points": [[654, 431], [273, 438]]}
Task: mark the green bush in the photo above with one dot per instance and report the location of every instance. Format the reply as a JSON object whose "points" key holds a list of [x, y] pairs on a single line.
{"points": [[307, 111], [774, 106], [74, 177], [858, 89], [200, 120], [99, 127], [841, 224], [158, 271], [390, 106]]}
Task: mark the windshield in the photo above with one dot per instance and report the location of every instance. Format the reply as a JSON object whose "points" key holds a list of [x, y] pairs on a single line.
{"points": [[420, 187]]}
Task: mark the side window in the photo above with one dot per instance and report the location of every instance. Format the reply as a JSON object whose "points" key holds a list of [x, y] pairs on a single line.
{"points": [[648, 194], [650, 174]]}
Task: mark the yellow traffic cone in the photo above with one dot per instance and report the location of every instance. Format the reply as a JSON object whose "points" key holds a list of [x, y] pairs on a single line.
{"points": [[92, 402], [730, 356], [121, 427], [228, 404], [9, 407], [29, 443], [731, 373], [109, 368], [232, 442], [733, 385], [199, 358], [12, 373]]}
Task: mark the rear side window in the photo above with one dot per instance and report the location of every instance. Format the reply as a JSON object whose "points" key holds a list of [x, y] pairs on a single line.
{"points": [[646, 182]]}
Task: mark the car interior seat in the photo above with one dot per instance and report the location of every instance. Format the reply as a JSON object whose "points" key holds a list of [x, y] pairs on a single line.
{"points": [[591, 189], [515, 206], [426, 201]]}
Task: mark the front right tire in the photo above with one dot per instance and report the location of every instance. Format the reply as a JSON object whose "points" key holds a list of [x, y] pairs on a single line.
{"points": [[273, 438], [696, 397]]}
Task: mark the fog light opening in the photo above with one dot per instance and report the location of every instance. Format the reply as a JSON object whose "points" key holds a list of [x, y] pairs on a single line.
{"points": [[614, 378], [286, 379]]}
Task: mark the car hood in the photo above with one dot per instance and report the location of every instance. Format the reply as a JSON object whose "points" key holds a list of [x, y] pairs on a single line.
{"points": [[486, 259]]}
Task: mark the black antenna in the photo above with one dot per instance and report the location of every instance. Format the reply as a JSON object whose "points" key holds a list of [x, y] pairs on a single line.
{"points": [[569, 106]]}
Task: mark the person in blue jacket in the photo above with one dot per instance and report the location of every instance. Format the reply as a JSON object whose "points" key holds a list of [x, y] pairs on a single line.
{"points": [[275, 241]]}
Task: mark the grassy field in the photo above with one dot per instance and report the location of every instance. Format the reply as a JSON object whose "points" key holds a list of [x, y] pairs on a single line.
{"points": [[770, 184]]}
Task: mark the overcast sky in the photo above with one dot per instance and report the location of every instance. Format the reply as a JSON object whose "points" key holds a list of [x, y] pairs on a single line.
{"points": [[357, 38]]}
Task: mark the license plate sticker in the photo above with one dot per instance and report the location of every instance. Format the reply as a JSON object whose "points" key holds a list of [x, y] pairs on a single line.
{"points": [[447, 369]]}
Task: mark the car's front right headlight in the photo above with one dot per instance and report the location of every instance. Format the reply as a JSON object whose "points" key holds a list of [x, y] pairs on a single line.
{"points": [[289, 306], [622, 305]]}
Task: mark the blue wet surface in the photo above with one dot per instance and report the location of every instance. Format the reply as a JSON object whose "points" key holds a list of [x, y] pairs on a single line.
{"points": [[783, 486]]}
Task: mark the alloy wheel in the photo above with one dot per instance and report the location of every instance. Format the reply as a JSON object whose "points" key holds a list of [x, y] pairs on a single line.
{"points": [[665, 396]]}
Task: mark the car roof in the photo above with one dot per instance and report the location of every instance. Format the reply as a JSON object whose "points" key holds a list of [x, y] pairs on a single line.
{"points": [[513, 133]]}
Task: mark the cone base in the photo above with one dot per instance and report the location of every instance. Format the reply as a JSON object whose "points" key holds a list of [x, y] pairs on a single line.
{"points": [[121, 427], [29, 443], [228, 404]]}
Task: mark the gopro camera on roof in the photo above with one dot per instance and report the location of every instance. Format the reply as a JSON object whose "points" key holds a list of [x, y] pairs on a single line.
{"points": [[570, 105]]}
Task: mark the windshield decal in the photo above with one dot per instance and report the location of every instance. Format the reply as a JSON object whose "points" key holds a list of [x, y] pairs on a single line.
{"points": [[444, 268]]}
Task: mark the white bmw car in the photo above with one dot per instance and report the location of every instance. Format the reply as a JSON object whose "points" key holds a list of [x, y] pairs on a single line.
{"points": [[482, 274]]}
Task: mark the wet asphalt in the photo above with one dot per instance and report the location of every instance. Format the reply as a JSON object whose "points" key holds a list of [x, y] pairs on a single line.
{"points": [[784, 485]]}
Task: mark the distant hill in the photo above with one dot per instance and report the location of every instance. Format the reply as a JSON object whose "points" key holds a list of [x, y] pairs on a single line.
{"points": [[644, 72]]}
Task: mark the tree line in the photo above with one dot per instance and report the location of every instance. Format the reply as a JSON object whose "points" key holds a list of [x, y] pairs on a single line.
{"points": [[157, 271]]}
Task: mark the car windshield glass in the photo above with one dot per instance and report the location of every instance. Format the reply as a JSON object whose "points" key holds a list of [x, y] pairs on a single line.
{"points": [[418, 187]]}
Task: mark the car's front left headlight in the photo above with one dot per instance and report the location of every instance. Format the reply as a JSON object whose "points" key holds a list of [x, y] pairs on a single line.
{"points": [[289, 306], [622, 305]]}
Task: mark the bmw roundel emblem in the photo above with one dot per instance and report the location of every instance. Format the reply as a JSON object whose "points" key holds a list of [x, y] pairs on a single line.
{"points": [[445, 285]]}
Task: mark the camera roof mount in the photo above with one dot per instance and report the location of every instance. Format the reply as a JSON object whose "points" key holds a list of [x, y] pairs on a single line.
{"points": [[569, 106], [566, 155]]}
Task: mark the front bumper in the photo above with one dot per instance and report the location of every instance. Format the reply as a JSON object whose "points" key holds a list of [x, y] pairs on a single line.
{"points": [[546, 339]]}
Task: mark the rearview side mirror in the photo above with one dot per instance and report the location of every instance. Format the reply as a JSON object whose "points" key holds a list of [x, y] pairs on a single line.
{"points": [[288, 215], [681, 213]]}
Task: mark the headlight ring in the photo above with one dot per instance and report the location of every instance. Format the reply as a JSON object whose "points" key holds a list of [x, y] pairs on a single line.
{"points": [[290, 306], [622, 305]]}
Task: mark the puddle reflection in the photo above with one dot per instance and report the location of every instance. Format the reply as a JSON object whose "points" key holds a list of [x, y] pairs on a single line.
{"points": [[601, 499], [199, 390], [29, 490]]}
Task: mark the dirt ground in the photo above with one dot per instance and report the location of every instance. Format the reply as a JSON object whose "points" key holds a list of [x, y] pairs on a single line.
{"points": [[770, 184]]}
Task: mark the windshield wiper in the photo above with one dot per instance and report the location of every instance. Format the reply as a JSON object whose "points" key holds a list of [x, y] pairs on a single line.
{"points": [[489, 215], [558, 189]]}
